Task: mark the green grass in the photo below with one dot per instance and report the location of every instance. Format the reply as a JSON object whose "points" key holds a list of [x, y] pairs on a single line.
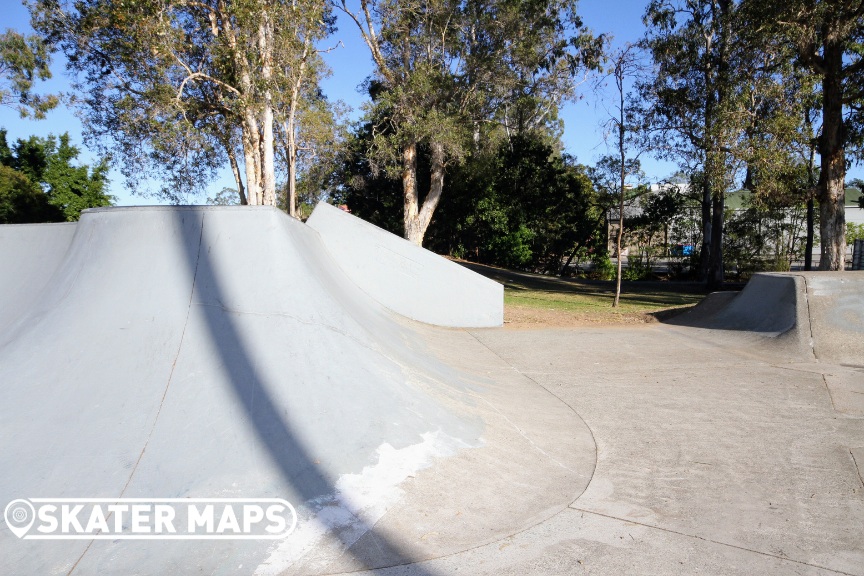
{"points": [[591, 298], [600, 302]]}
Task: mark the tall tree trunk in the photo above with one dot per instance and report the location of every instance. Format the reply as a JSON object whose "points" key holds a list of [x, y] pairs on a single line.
{"points": [[251, 137], [416, 218], [252, 159], [715, 270], [268, 166], [705, 253], [436, 187], [409, 194], [291, 127], [718, 165], [622, 157], [832, 218], [811, 216], [292, 162], [808, 246], [235, 170]]}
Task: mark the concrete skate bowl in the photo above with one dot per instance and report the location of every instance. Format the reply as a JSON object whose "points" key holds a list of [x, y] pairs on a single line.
{"points": [[805, 315], [222, 352]]}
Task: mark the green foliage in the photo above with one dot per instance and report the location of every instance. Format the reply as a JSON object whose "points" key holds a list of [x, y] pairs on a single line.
{"points": [[520, 206], [459, 77], [47, 164], [524, 207], [367, 191], [22, 201], [225, 197], [766, 236], [602, 267], [23, 61], [636, 269], [854, 232]]}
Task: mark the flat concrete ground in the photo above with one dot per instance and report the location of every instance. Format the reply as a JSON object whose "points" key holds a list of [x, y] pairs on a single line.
{"points": [[715, 455]]}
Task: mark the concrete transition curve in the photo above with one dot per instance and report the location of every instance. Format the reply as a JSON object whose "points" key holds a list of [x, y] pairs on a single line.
{"points": [[223, 352], [419, 284], [812, 315]]}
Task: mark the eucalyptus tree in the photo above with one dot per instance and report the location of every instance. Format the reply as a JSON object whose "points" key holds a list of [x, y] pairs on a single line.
{"points": [[828, 39], [415, 45], [693, 114], [176, 87], [778, 145], [316, 154], [445, 68], [23, 61], [523, 61], [301, 103]]}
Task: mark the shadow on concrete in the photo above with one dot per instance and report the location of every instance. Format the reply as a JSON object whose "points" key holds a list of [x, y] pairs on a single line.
{"points": [[286, 451], [698, 316]]}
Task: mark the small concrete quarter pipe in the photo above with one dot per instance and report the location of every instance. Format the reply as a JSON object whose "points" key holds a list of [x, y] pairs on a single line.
{"points": [[805, 315]]}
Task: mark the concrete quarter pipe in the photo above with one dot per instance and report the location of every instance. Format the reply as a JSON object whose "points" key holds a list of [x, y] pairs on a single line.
{"points": [[804, 315], [223, 352]]}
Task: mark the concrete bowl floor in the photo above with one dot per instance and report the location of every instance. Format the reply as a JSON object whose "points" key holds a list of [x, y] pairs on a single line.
{"points": [[716, 454]]}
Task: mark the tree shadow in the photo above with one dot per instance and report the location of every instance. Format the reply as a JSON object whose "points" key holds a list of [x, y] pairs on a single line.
{"points": [[281, 442]]}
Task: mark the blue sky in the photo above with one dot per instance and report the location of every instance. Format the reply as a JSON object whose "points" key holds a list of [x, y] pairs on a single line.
{"points": [[351, 64]]}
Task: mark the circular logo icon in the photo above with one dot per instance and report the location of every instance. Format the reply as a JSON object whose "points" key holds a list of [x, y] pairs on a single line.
{"points": [[19, 515]]}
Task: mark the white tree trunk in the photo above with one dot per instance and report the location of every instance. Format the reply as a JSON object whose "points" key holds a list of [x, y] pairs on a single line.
{"points": [[409, 191], [417, 220], [291, 139], [268, 167], [252, 159], [235, 170], [291, 127]]}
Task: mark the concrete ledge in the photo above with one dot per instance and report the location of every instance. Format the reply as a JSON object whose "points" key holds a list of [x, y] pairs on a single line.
{"points": [[405, 278]]}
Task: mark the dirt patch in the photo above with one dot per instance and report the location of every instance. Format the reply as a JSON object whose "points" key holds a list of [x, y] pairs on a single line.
{"points": [[525, 317]]}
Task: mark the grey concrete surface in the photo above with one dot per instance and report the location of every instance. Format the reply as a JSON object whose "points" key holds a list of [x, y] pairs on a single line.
{"points": [[836, 306], [29, 256], [406, 278], [711, 459], [801, 315], [183, 366], [216, 352]]}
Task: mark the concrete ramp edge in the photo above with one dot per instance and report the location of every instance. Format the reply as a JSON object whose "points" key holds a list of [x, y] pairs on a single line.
{"points": [[406, 278], [808, 315]]}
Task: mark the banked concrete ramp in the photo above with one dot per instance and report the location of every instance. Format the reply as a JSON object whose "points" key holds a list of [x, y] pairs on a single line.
{"points": [[29, 255], [420, 285], [222, 352], [810, 315]]}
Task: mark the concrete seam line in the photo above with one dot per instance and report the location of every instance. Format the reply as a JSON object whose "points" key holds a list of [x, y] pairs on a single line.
{"points": [[809, 316], [830, 396], [548, 391], [857, 467], [712, 541], [526, 528], [164, 393]]}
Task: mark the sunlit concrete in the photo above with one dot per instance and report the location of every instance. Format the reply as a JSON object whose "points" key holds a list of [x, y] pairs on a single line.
{"points": [[229, 354], [221, 352], [406, 278]]}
